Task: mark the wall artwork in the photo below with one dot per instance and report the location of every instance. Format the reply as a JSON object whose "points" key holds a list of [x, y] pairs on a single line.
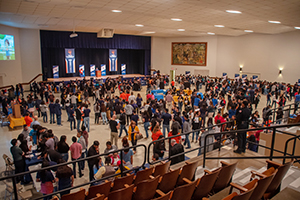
{"points": [[189, 53]]}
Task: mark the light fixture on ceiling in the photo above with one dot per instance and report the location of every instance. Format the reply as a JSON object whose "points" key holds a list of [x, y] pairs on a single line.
{"points": [[210, 33], [297, 27], [139, 25], [241, 68], [248, 31], [280, 71], [116, 11], [181, 29], [176, 19], [73, 34], [219, 26], [234, 11], [274, 22], [148, 32]]}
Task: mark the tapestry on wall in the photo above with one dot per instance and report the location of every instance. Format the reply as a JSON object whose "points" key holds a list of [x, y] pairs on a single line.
{"points": [[189, 53]]}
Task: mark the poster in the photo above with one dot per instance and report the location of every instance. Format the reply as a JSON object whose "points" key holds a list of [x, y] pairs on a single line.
{"points": [[236, 76], [224, 75], [103, 70], [92, 70], [55, 71], [113, 60], [255, 78], [70, 61], [81, 71], [123, 69]]}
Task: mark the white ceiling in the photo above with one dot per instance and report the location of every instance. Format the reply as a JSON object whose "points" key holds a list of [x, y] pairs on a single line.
{"points": [[199, 16]]}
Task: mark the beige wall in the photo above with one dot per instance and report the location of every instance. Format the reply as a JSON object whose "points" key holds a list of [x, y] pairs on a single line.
{"points": [[258, 53], [28, 57]]}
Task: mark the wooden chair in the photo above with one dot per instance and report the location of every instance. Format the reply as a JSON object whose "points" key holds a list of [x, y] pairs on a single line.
{"points": [[274, 186], [168, 181], [242, 196], [145, 190], [188, 172], [99, 197], [142, 175], [119, 183], [262, 185], [80, 195], [103, 188], [122, 194], [165, 197], [224, 177], [161, 169], [205, 184], [185, 191]]}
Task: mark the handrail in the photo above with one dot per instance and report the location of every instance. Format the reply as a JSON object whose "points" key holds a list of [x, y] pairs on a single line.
{"points": [[286, 145], [13, 177], [245, 130], [28, 83]]}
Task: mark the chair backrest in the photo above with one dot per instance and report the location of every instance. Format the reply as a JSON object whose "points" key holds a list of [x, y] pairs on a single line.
{"points": [[146, 190], [188, 171], [120, 182], [184, 191], [245, 195], [103, 188], [164, 197], [143, 175], [169, 180], [206, 184], [121, 194], [8, 161], [80, 195], [100, 197], [262, 185], [161, 169], [281, 172], [224, 177]]}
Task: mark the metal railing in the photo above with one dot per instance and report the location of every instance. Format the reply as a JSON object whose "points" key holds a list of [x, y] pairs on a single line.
{"points": [[13, 177]]}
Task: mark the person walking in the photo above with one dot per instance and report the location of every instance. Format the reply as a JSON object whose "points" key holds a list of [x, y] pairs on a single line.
{"points": [[114, 126], [78, 116], [86, 117], [166, 122], [133, 131], [128, 111], [186, 128], [93, 150], [122, 123], [72, 118], [169, 100], [76, 150]]}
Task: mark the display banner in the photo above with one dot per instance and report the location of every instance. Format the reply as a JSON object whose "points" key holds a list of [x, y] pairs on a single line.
{"points": [[113, 60], [92, 70], [187, 73], [237, 76], [255, 78], [123, 69], [55, 71], [298, 81], [81, 71], [70, 61], [224, 75], [103, 70]]}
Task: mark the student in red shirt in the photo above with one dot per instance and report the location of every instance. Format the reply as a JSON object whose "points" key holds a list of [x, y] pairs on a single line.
{"points": [[28, 119]]}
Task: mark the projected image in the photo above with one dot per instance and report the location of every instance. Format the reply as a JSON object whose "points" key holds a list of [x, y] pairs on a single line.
{"points": [[7, 47]]}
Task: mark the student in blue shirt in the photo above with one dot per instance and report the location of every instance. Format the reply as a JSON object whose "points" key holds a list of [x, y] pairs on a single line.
{"points": [[33, 134], [57, 110], [231, 112], [166, 123], [52, 112]]}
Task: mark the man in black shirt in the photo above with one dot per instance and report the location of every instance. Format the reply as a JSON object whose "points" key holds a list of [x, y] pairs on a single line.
{"points": [[242, 119], [93, 150], [122, 123], [114, 126], [78, 116], [174, 150]]}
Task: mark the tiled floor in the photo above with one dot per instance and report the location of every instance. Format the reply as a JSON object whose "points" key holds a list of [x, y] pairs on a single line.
{"points": [[97, 132]]}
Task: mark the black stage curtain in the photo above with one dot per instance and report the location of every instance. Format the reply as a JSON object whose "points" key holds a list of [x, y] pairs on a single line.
{"points": [[134, 51], [134, 60]]}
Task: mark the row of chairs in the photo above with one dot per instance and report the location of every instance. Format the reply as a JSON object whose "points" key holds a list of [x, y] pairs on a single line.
{"points": [[161, 184]]}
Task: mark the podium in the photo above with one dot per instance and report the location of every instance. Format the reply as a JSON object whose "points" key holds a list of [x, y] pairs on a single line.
{"points": [[98, 73]]}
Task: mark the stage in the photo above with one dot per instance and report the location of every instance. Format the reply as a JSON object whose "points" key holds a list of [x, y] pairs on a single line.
{"points": [[67, 79]]}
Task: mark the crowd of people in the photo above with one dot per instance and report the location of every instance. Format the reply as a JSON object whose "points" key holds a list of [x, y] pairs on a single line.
{"points": [[228, 104]]}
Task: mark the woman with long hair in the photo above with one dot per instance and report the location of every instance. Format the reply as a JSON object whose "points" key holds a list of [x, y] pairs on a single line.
{"points": [[156, 132], [63, 148], [133, 131], [146, 121], [46, 178], [103, 113]]}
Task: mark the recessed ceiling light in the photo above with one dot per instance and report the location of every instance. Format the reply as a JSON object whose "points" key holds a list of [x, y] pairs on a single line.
{"points": [[274, 22], [219, 26], [149, 32], [181, 29], [297, 27], [139, 25], [210, 33], [116, 11], [176, 19], [234, 11], [248, 31]]}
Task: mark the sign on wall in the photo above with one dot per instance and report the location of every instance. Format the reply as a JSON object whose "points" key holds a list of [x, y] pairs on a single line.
{"points": [[113, 60], [70, 60], [92, 70], [55, 71], [103, 70], [81, 71], [123, 69]]}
